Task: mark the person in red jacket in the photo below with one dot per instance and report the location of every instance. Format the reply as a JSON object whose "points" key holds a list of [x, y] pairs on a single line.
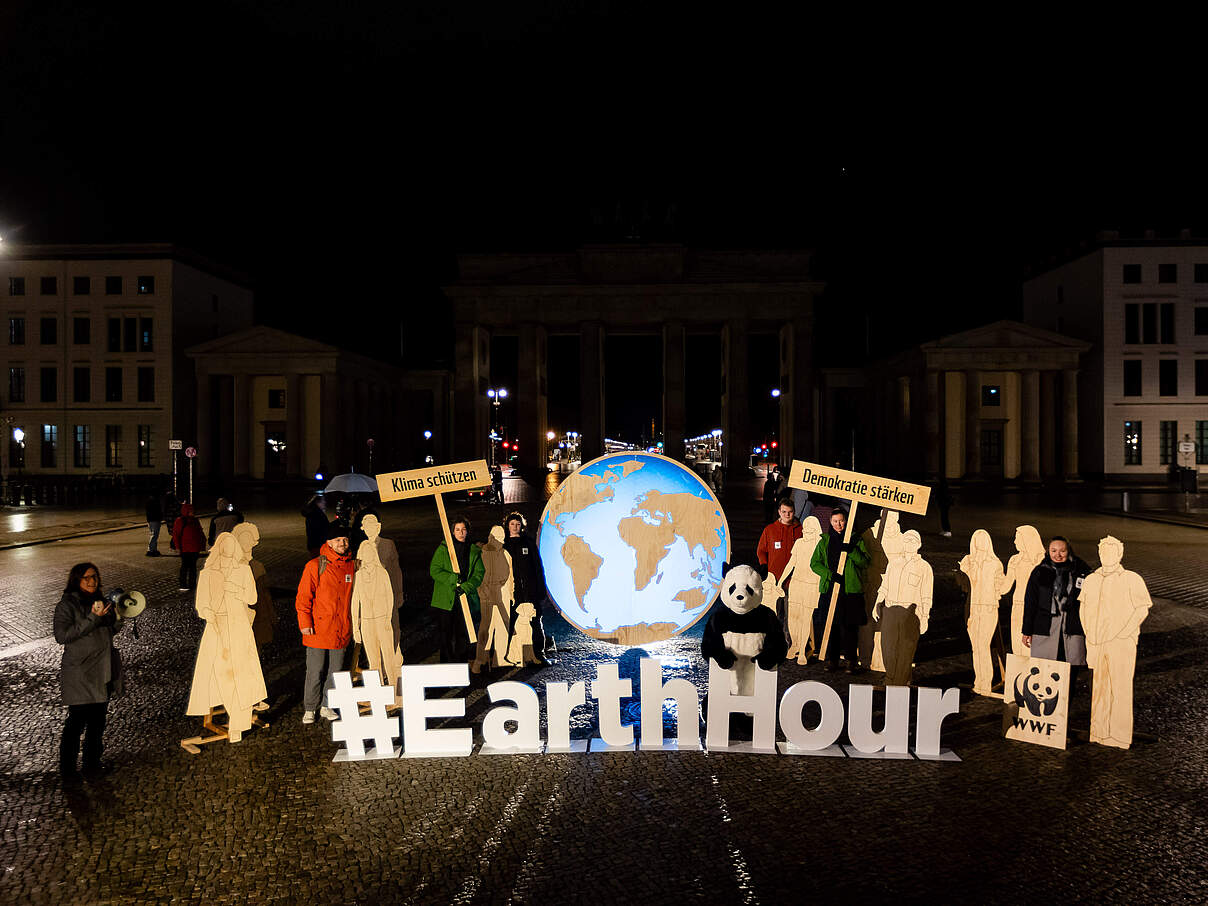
{"points": [[325, 617], [188, 538], [775, 548]]}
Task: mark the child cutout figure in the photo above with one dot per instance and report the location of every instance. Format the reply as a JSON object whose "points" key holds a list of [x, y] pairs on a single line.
{"points": [[803, 591], [374, 616], [1114, 603], [1030, 552], [986, 577], [495, 595], [228, 669]]}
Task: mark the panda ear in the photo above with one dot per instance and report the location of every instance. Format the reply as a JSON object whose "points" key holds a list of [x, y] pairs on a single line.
{"points": [[725, 567]]}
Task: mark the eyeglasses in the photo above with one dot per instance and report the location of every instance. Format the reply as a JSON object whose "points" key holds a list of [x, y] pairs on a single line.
{"points": [[90, 577]]}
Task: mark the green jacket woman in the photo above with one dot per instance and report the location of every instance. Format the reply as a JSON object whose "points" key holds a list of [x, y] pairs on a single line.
{"points": [[857, 559], [444, 581]]}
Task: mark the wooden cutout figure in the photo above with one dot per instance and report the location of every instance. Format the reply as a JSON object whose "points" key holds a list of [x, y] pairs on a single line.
{"points": [[520, 651], [772, 592], [374, 614], [495, 596], [248, 537], [388, 556], [906, 593], [1030, 552], [1114, 603], [803, 591], [228, 669], [986, 577], [883, 540]]}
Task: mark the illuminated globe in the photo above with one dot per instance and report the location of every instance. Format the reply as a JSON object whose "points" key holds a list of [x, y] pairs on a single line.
{"points": [[633, 546]]}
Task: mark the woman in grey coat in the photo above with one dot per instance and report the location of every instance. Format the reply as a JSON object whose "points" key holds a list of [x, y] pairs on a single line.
{"points": [[84, 625]]}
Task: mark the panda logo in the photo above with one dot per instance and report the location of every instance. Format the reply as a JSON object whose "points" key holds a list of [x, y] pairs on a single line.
{"points": [[1039, 694]]}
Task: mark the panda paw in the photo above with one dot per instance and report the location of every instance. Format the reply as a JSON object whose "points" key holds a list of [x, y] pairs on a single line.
{"points": [[725, 660]]}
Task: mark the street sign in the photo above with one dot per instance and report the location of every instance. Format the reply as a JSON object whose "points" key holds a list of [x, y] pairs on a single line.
{"points": [[190, 452], [176, 445]]}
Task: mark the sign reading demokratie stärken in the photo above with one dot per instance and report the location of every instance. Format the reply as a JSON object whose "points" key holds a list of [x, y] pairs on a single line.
{"points": [[886, 492], [457, 476]]}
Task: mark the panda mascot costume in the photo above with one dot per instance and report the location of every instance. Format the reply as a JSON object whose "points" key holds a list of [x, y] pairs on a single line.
{"points": [[743, 632]]}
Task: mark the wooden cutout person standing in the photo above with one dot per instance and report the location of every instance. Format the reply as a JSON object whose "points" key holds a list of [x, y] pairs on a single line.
{"points": [[803, 591], [906, 593], [1031, 551], [986, 576], [883, 539], [373, 612], [495, 593], [248, 537], [387, 555], [228, 669], [1114, 603]]}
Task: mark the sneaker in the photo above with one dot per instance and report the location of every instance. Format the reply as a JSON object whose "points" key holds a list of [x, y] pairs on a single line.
{"points": [[946, 534], [308, 717], [183, 588], [328, 714]]}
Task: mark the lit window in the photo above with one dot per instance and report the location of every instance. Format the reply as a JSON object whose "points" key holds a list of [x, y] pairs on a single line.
{"points": [[1132, 443], [991, 395]]}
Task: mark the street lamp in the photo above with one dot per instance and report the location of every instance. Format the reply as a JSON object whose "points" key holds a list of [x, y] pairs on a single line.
{"points": [[496, 395], [776, 397]]}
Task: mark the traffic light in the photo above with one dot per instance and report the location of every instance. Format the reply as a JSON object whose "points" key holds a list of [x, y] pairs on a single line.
{"points": [[773, 445]]}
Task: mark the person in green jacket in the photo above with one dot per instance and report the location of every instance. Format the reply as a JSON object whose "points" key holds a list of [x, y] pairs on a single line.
{"points": [[850, 614], [448, 586]]}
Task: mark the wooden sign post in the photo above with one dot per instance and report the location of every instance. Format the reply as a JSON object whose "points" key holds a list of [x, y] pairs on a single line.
{"points": [[858, 488], [435, 481]]}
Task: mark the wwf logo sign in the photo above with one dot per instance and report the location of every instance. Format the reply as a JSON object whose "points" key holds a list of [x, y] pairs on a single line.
{"points": [[1036, 700]]}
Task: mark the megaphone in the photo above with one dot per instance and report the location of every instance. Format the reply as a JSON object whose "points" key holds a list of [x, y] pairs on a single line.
{"points": [[126, 604]]}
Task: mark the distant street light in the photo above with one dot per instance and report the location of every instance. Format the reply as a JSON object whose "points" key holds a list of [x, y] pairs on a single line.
{"points": [[496, 394], [427, 435], [776, 393]]}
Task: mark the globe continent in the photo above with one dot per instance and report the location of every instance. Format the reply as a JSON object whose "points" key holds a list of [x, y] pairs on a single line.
{"points": [[633, 546]]}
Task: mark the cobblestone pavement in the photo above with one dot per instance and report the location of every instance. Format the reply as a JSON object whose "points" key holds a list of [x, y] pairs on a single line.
{"points": [[273, 819]]}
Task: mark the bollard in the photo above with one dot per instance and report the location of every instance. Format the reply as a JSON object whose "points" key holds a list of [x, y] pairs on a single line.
{"points": [[1124, 501]]}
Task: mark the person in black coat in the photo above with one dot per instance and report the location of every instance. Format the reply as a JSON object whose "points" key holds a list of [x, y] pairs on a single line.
{"points": [[84, 624], [316, 524], [1052, 625], [155, 518], [529, 577]]}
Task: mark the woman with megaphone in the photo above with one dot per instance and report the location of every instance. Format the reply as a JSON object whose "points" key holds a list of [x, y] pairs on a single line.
{"points": [[84, 625]]}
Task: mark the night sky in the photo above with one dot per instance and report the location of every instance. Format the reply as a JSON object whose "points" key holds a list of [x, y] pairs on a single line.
{"points": [[349, 151]]}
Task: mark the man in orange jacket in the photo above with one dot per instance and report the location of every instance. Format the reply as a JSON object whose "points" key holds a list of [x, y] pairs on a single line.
{"points": [[325, 617], [775, 548]]}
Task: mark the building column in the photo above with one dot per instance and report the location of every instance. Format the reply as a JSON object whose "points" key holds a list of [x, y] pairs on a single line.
{"points": [[205, 424], [795, 430], [735, 405], [674, 390], [1069, 422], [294, 409], [531, 406], [972, 424], [1048, 424], [329, 424], [471, 371], [223, 461], [591, 391], [244, 431], [1029, 412], [931, 423]]}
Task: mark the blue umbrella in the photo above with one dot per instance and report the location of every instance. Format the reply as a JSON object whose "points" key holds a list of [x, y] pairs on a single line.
{"points": [[351, 483]]}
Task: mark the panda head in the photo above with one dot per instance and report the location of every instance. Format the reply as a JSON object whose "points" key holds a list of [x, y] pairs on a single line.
{"points": [[1041, 692], [742, 588]]}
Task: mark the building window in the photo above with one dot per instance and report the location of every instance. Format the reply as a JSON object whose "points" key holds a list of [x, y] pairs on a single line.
{"points": [[115, 334], [991, 395], [16, 331], [1149, 322], [144, 445], [81, 331], [1168, 377], [16, 384], [16, 448], [1132, 273], [1168, 273], [146, 385], [1167, 322], [130, 334], [1201, 443], [1166, 441], [1201, 377], [50, 446], [50, 286], [80, 286], [1132, 443], [48, 331], [113, 385], [1201, 273], [113, 446], [81, 381], [82, 448], [276, 399], [16, 286], [1132, 377], [1201, 321], [113, 286], [1132, 323], [146, 335], [146, 286], [50, 384]]}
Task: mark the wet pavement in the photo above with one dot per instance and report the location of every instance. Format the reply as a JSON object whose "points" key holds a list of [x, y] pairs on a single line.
{"points": [[273, 819]]}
